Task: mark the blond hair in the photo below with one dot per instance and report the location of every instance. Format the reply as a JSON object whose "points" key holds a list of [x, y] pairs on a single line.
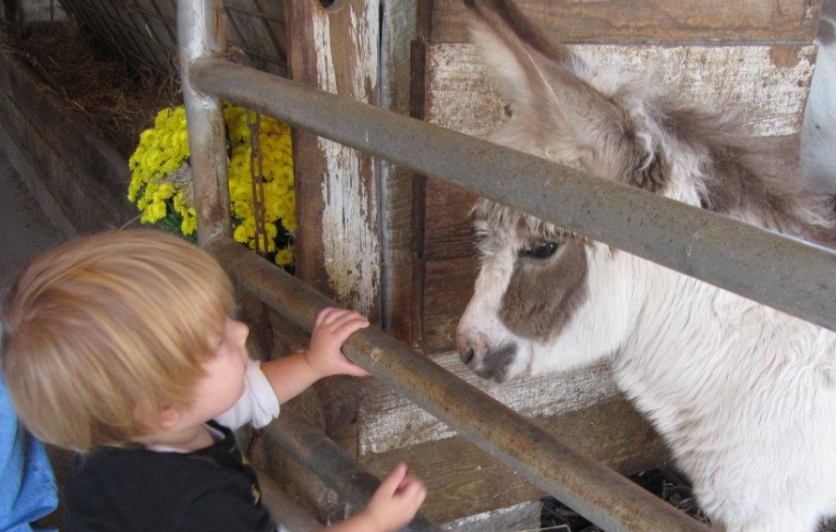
{"points": [[106, 327]]}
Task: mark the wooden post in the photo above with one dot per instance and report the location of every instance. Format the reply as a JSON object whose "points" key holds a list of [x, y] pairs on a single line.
{"points": [[338, 251]]}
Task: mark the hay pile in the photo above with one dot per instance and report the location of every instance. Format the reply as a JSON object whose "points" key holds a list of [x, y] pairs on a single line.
{"points": [[118, 101], [667, 483]]}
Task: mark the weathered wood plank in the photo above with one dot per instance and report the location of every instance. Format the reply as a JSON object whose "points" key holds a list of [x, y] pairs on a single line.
{"points": [[389, 422], [128, 24], [337, 195], [144, 30], [520, 517], [85, 175], [398, 32], [766, 85], [652, 20], [157, 28], [447, 232], [448, 286], [252, 29], [462, 480]]}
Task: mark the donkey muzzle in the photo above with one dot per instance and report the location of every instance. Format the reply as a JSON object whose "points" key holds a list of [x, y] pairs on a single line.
{"points": [[489, 363]]}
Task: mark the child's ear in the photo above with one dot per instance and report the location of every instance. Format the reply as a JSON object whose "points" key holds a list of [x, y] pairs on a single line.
{"points": [[161, 419], [167, 417]]}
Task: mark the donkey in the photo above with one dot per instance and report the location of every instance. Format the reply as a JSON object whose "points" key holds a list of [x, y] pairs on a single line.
{"points": [[744, 395]]}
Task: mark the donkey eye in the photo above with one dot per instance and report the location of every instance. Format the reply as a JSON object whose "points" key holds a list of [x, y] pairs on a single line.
{"points": [[540, 250]]}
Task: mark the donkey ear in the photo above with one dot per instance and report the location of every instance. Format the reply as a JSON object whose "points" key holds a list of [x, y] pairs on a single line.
{"points": [[555, 113]]}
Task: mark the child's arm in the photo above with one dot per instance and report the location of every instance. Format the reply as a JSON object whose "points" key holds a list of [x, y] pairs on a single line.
{"points": [[392, 506], [293, 374]]}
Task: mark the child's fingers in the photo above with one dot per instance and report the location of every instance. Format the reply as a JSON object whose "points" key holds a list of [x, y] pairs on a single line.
{"points": [[345, 328], [330, 316], [340, 328], [411, 494], [324, 315], [411, 485], [343, 316], [393, 480]]}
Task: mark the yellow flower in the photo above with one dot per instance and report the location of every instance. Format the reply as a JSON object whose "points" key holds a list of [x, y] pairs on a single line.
{"points": [[189, 225], [284, 257], [157, 187]]}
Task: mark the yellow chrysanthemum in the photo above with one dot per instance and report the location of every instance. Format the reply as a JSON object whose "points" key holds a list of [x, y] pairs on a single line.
{"points": [[158, 181], [284, 257]]}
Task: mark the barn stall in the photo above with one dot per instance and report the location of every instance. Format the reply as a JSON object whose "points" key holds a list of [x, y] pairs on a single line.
{"points": [[398, 246]]}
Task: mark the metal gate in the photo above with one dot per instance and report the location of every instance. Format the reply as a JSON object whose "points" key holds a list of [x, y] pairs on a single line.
{"points": [[784, 273]]}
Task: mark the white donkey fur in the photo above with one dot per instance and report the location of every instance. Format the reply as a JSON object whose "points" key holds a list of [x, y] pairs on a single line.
{"points": [[744, 395]]}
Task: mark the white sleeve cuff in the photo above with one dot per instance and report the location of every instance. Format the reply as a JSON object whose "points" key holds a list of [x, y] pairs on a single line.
{"points": [[259, 404]]}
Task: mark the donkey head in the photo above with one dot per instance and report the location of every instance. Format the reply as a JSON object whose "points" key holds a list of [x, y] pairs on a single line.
{"points": [[547, 299]]}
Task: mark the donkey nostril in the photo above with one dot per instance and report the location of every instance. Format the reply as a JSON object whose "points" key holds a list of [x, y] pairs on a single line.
{"points": [[466, 355]]}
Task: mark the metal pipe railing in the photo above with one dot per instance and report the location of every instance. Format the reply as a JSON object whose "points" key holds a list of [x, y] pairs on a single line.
{"points": [[331, 463], [601, 495], [782, 272], [201, 33]]}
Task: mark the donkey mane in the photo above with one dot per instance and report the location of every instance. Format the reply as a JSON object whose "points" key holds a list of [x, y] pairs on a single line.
{"points": [[740, 185], [659, 142]]}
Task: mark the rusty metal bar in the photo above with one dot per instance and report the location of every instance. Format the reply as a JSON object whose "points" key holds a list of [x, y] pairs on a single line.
{"points": [[596, 492], [201, 33], [331, 463], [779, 271], [284, 509]]}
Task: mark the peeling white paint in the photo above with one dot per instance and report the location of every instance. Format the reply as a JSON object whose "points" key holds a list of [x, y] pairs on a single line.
{"points": [[523, 516], [769, 97], [365, 35], [349, 237]]}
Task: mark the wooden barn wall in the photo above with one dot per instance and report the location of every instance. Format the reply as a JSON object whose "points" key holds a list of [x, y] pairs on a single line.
{"points": [[70, 163], [657, 21], [338, 191], [144, 32], [752, 56]]}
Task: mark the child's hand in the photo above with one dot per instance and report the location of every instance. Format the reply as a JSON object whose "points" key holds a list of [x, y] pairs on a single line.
{"points": [[396, 501], [333, 327]]}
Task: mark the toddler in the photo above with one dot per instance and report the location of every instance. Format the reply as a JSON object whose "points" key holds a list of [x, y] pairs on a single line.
{"points": [[121, 346]]}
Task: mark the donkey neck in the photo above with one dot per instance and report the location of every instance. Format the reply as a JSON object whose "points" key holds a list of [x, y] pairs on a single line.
{"points": [[689, 329]]}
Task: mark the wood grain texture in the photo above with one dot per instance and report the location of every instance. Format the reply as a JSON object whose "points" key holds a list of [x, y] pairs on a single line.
{"points": [[448, 286], [85, 175], [397, 183], [651, 20], [519, 517], [447, 232], [462, 480], [766, 86], [144, 31], [338, 248], [389, 422], [257, 27]]}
